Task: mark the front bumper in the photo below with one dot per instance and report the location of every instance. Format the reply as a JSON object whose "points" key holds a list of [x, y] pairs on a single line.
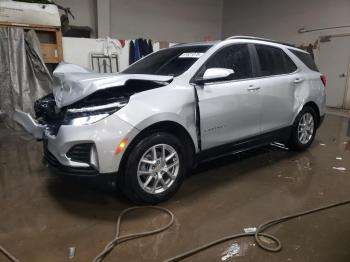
{"points": [[104, 135], [54, 164], [29, 124]]}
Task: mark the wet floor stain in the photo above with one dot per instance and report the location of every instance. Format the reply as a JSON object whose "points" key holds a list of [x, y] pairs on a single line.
{"points": [[43, 215]]}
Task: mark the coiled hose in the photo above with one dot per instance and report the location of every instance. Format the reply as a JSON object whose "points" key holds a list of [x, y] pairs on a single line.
{"points": [[275, 247]]}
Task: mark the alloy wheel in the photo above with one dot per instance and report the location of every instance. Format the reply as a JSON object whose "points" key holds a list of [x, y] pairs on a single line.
{"points": [[158, 168], [306, 128]]}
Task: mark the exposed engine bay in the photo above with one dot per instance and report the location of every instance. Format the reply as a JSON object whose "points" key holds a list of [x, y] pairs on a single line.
{"points": [[103, 103], [82, 97]]}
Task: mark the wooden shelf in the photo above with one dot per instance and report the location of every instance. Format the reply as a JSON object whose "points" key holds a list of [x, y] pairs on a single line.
{"points": [[52, 49]]}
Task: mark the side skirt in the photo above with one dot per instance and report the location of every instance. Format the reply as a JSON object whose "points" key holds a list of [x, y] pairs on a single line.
{"points": [[280, 135]]}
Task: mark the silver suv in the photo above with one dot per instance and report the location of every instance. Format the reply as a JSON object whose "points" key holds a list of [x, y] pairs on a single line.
{"points": [[175, 108]]}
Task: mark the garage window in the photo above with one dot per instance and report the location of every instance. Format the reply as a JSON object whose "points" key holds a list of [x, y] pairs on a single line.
{"points": [[273, 61]]}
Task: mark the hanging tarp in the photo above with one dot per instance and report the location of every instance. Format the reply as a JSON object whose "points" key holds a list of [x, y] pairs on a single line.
{"points": [[24, 77]]}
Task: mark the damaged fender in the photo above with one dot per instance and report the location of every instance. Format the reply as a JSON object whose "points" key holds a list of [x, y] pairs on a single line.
{"points": [[73, 83]]}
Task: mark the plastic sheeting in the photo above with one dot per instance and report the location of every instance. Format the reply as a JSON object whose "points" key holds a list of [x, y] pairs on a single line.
{"points": [[23, 75]]}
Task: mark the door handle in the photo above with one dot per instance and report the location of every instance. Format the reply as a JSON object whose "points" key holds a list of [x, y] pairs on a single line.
{"points": [[298, 80], [342, 75], [253, 88]]}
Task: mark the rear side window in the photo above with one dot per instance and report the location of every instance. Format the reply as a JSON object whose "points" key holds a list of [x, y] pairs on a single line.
{"points": [[306, 58], [274, 61], [236, 57], [290, 67]]}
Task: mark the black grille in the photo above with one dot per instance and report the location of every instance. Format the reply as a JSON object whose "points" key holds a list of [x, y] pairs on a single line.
{"points": [[53, 162], [48, 114], [80, 153]]}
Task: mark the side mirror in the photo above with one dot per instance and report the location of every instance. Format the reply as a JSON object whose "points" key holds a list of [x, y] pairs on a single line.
{"points": [[213, 74], [217, 73]]}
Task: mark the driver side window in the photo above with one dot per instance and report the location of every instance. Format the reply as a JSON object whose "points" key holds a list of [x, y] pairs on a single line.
{"points": [[235, 57]]}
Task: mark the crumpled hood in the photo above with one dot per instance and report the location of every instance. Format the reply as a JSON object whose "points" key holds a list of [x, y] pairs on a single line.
{"points": [[73, 83]]}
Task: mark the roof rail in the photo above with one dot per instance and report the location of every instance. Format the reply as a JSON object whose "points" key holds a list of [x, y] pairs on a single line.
{"points": [[259, 38]]}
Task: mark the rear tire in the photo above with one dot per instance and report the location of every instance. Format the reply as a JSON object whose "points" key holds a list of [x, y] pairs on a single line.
{"points": [[154, 170], [303, 130]]}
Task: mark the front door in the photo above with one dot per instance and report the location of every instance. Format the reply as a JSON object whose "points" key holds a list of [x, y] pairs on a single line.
{"points": [[230, 108]]}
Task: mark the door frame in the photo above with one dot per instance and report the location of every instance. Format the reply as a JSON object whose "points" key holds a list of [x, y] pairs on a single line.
{"points": [[195, 85], [327, 38], [252, 61]]}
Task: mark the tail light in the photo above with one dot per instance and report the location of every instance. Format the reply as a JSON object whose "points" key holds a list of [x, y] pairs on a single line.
{"points": [[324, 80]]}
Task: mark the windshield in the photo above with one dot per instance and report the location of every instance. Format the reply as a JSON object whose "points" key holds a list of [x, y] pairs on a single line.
{"points": [[170, 62]]}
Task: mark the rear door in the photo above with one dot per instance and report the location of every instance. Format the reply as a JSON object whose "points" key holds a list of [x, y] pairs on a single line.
{"points": [[278, 78], [229, 108]]}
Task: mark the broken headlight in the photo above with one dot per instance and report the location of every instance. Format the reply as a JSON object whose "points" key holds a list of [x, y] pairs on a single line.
{"points": [[91, 114]]}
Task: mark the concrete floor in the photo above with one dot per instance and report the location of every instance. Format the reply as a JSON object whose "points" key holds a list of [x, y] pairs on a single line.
{"points": [[42, 215]]}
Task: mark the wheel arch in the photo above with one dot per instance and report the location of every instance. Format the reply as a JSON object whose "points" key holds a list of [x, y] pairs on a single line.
{"points": [[314, 106], [171, 127]]}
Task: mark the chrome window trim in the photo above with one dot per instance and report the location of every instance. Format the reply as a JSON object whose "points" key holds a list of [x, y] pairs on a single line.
{"points": [[250, 79], [191, 81], [298, 69]]}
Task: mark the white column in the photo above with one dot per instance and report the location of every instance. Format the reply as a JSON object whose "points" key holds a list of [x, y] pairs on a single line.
{"points": [[103, 18]]}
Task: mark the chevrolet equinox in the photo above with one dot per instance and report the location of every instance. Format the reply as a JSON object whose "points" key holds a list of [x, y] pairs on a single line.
{"points": [[175, 108]]}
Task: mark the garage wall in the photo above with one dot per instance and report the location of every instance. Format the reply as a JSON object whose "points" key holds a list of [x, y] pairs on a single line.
{"points": [[169, 20], [84, 12], [78, 51], [281, 19]]}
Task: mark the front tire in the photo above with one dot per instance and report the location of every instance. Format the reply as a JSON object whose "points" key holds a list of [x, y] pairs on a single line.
{"points": [[303, 130], [155, 169]]}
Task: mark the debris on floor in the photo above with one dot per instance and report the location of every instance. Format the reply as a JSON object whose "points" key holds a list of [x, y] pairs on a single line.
{"points": [[71, 252], [339, 158], [289, 177], [232, 251], [249, 230], [339, 168]]}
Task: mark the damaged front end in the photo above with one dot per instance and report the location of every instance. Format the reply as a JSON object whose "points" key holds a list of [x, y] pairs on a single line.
{"points": [[49, 118], [87, 111], [81, 98]]}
